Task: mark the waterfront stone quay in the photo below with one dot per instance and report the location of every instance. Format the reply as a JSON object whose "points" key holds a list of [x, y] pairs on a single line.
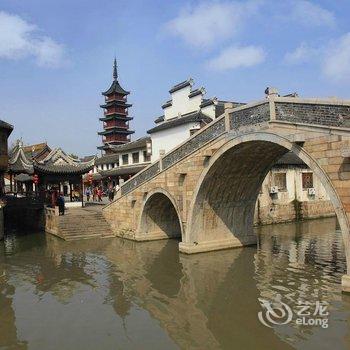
{"points": [[77, 223], [204, 191]]}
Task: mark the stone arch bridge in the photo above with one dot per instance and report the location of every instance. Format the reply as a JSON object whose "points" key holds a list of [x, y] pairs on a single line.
{"points": [[205, 190]]}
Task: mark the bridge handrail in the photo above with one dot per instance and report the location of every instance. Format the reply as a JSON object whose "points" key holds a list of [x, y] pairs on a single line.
{"points": [[267, 110], [207, 134]]}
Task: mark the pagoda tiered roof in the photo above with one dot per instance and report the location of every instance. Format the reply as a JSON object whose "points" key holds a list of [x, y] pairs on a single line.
{"points": [[116, 116], [115, 87], [117, 103], [114, 130]]}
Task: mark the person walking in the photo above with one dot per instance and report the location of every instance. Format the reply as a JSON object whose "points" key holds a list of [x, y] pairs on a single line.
{"points": [[94, 194], [110, 193], [88, 194], [61, 204], [99, 194]]}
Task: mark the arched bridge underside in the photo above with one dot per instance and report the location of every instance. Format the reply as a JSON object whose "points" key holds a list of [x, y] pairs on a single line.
{"points": [[205, 190]]}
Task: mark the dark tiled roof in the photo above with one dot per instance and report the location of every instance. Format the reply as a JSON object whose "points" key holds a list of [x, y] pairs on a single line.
{"points": [[64, 169], [40, 151], [123, 170], [115, 88], [139, 143], [114, 157], [159, 119], [116, 130], [181, 85], [186, 118], [19, 163], [116, 116], [87, 158], [167, 104], [290, 158], [6, 126], [107, 159], [196, 92], [116, 103], [23, 178]]}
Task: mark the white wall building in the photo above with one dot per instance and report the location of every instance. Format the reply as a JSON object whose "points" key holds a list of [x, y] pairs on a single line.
{"points": [[125, 161], [185, 113]]}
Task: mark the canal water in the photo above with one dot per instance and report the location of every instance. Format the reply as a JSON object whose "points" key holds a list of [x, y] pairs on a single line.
{"points": [[115, 294]]}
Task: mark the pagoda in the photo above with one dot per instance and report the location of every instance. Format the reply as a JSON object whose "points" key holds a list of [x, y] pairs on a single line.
{"points": [[115, 119]]}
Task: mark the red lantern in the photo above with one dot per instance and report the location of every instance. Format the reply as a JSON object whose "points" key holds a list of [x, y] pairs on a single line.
{"points": [[90, 178], [36, 179]]}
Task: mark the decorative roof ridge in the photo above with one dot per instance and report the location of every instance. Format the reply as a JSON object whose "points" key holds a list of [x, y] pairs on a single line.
{"points": [[181, 85], [167, 104], [196, 92], [193, 116], [55, 154], [76, 163], [210, 101], [24, 160]]}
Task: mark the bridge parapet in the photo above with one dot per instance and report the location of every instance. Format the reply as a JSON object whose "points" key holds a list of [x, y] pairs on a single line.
{"points": [[328, 113]]}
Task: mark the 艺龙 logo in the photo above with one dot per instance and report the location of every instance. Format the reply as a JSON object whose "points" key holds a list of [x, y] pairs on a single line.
{"points": [[277, 313]]}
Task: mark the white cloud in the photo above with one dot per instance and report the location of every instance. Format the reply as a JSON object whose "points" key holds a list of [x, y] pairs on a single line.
{"points": [[237, 57], [20, 39], [336, 61], [302, 54], [333, 58], [209, 22], [311, 14]]}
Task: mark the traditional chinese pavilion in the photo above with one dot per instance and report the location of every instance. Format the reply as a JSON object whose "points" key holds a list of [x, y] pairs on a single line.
{"points": [[115, 119]]}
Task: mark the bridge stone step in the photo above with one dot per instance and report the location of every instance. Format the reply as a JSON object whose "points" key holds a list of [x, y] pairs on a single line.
{"points": [[79, 223]]}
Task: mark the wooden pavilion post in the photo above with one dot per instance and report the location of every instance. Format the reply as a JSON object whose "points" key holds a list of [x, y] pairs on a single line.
{"points": [[82, 191], [11, 178], [70, 191]]}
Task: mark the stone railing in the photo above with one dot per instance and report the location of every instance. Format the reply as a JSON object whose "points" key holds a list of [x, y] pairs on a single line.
{"points": [[252, 115], [317, 113], [209, 133], [331, 113], [193, 144], [141, 177]]}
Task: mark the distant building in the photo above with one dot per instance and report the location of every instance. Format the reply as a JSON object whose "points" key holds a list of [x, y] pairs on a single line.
{"points": [[121, 163], [5, 131], [116, 117], [185, 113], [121, 158], [52, 166], [291, 192]]}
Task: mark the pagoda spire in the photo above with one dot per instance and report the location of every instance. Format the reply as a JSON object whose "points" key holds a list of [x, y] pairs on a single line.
{"points": [[115, 70]]}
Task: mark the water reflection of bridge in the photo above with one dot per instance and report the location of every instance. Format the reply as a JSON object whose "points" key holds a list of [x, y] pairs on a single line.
{"points": [[200, 301]]}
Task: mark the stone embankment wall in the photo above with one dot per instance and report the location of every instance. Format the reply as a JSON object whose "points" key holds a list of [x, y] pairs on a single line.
{"points": [[293, 211], [24, 214], [292, 201]]}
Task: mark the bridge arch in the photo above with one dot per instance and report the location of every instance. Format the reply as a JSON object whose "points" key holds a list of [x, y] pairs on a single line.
{"points": [[221, 213], [160, 216]]}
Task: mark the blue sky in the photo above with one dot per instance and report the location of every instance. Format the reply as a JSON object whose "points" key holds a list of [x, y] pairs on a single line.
{"points": [[56, 57]]}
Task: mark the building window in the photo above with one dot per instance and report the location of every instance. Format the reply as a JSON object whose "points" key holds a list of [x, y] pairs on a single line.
{"points": [[125, 158], [307, 180], [135, 157], [146, 157], [280, 180]]}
